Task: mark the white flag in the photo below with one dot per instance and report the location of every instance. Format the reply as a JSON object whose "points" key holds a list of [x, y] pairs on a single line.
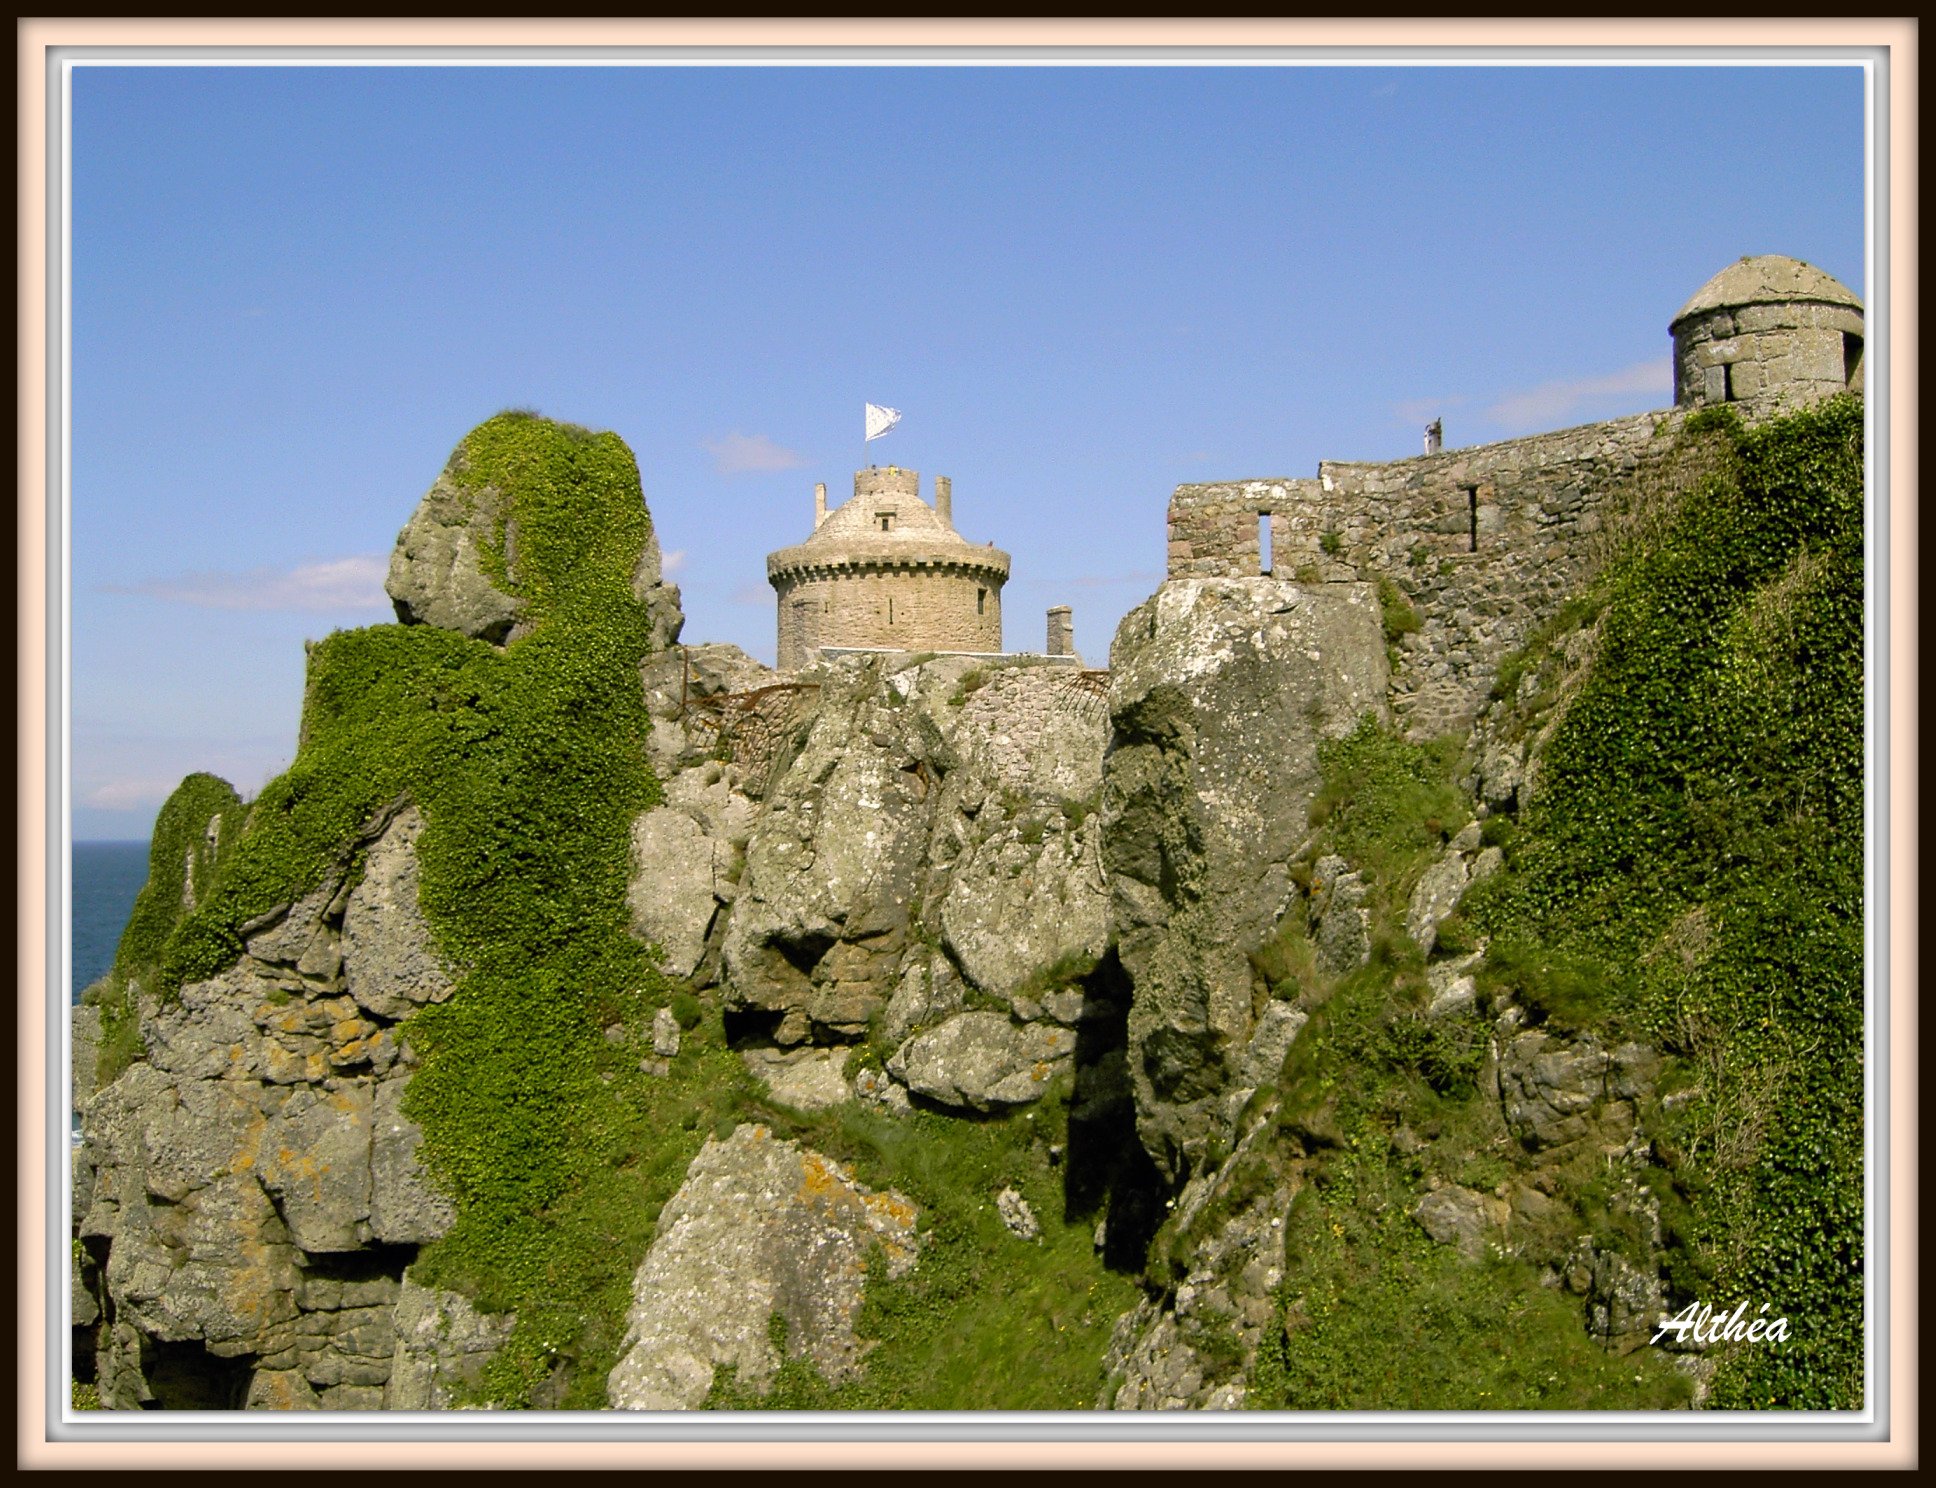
{"points": [[880, 420]]}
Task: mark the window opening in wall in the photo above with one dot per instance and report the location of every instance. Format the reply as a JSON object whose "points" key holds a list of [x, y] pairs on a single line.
{"points": [[1727, 382], [886, 519], [1263, 543], [1851, 356], [981, 601], [890, 611], [1472, 518]]}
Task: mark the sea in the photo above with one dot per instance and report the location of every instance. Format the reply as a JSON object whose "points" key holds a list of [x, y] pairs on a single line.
{"points": [[107, 876]]}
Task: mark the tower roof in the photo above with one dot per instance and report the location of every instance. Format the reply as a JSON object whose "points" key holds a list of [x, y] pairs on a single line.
{"points": [[916, 534], [1767, 279]]}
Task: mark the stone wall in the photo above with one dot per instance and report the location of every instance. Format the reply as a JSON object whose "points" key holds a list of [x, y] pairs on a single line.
{"points": [[1768, 357], [925, 606], [1484, 543]]}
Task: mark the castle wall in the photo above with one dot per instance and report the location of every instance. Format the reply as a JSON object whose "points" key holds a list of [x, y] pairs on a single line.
{"points": [[1484, 542], [913, 608]]}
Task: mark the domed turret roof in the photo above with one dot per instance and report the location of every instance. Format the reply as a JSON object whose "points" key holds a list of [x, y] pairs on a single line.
{"points": [[851, 534], [1768, 278]]}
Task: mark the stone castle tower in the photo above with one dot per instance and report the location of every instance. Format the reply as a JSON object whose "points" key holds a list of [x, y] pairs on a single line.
{"points": [[887, 571], [1768, 333]]}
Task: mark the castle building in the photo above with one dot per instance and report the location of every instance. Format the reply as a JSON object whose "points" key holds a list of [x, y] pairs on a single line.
{"points": [[886, 571], [1483, 543]]}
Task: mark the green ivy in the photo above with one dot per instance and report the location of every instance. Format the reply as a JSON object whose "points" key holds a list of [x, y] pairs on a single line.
{"points": [[1697, 841]]}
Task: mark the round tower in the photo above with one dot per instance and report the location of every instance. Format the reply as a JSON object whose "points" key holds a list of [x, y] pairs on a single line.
{"points": [[1767, 333], [887, 571]]}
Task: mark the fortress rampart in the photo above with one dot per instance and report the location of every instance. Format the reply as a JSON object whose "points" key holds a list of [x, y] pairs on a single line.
{"points": [[1487, 541]]}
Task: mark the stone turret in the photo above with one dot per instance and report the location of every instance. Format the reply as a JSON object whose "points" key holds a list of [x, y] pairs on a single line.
{"points": [[887, 571], [1767, 333]]}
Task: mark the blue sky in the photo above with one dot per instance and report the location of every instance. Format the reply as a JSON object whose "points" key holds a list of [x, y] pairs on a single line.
{"points": [[294, 289]]}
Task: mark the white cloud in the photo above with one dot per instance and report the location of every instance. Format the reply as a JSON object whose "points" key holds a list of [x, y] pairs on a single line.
{"points": [[354, 583], [738, 454], [752, 594], [670, 563], [1549, 404], [130, 792]]}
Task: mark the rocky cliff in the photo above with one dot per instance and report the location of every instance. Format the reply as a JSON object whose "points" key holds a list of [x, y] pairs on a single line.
{"points": [[591, 1021]]}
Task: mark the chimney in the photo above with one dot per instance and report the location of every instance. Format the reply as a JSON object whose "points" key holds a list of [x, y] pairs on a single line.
{"points": [[944, 499], [1434, 436], [1062, 631], [819, 503]]}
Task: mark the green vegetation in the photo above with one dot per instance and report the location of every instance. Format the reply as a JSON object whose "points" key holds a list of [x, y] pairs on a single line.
{"points": [[1381, 1318], [1387, 805], [972, 681], [1398, 616], [1332, 542], [193, 833], [1697, 842], [1689, 874]]}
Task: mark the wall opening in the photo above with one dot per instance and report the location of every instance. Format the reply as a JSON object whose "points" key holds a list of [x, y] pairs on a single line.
{"points": [[1851, 357], [1471, 518], [1263, 543], [1727, 382], [981, 601], [890, 608], [886, 519]]}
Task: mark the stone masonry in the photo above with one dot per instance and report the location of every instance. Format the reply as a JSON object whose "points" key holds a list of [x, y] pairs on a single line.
{"points": [[887, 571]]}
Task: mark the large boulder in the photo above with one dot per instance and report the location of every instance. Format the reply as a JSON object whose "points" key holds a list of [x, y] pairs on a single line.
{"points": [[442, 567], [819, 932], [438, 574], [390, 959], [941, 803], [984, 1060], [1220, 692], [760, 1227]]}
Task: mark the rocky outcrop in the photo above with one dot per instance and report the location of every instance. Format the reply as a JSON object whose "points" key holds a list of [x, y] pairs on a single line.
{"points": [[821, 925], [442, 1345], [438, 574], [441, 570], [1557, 1091], [254, 1183], [760, 1228], [1192, 1349], [1461, 1217], [932, 832], [1220, 692], [983, 1061]]}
